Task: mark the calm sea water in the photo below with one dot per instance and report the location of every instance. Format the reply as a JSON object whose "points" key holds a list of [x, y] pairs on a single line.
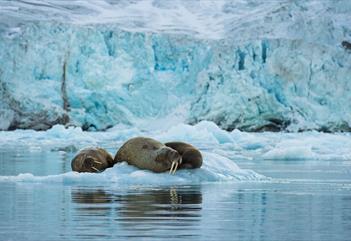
{"points": [[306, 200]]}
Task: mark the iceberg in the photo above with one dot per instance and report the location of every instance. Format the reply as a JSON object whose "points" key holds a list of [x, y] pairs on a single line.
{"points": [[216, 169], [280, 66]]}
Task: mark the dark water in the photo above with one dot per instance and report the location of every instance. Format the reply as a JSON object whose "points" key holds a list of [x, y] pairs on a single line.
{"points": [[307, 200]]}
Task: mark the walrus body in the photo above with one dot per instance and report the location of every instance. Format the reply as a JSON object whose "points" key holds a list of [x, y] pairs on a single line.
{"points": [[191, 157], [147, 153], [92, 160]]}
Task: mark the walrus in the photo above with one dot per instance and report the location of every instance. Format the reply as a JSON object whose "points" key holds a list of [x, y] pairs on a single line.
{"points": [[93, 159], [191, 157], [147, 153]]}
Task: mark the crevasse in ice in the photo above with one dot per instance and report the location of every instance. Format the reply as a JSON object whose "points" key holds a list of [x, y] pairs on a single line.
{"points": [[252, 66]]}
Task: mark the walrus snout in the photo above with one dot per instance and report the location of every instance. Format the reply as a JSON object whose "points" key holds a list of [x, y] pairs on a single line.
{"points": [[84, 163], [176, 160], [168, 155], [169, 158], [91, 163], [174, 156]]}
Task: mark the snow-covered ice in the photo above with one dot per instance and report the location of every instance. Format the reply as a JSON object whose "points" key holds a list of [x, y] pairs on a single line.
{"points": [[220, 150]]}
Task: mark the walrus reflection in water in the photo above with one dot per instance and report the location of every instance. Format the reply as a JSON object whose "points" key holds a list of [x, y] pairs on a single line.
{"points": [[166, 202], [92, 159], [137, 204]]}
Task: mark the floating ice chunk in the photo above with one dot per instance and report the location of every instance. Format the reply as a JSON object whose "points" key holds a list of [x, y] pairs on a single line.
{"points": [[59, 131], [221, 135], [216, 168], [290, 153], [204, 131]]}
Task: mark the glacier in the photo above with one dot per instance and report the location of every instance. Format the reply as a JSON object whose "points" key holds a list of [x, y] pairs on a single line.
{"points": [[246, 65]]}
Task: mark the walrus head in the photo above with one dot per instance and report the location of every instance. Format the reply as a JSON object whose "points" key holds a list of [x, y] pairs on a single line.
{"points": [[170, 158], [91, 160], [85, 163]]}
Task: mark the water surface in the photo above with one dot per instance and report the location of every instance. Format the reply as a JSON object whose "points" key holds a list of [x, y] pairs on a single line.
{"points": [[304, 200]]}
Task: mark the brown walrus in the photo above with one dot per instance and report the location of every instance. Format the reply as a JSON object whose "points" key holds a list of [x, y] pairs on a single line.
{"points": [[147, 153], [92, 159], [142, 152], [191, 157]]}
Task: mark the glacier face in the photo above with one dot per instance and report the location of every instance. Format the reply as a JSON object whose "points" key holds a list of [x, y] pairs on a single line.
{"points": [[248, 65]]}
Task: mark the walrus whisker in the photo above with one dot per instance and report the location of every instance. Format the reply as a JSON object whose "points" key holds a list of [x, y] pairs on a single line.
{"points": [[97, 162], [94, 168]]}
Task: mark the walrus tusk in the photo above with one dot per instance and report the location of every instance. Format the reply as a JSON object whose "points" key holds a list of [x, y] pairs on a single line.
{"points": [[174, 167], [95, 169], [171, 169], [98, 162]]}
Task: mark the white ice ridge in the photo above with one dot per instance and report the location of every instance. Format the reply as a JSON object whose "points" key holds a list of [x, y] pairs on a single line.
{"points": [[218, 144], [248, 65], [220, 150]]}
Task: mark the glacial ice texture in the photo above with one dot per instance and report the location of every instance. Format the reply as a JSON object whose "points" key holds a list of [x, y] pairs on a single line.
{"points": [[246, 65]]}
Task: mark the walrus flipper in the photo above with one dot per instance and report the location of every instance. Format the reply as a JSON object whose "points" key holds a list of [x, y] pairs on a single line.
{"points": [[191, 157]]}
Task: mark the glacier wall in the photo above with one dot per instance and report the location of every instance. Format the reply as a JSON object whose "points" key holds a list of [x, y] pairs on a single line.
{"points": [[94, 77], [99, 75]]}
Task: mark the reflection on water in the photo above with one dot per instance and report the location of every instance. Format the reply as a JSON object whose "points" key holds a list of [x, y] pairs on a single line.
{"points": [[242, 211], [155, 213]]}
